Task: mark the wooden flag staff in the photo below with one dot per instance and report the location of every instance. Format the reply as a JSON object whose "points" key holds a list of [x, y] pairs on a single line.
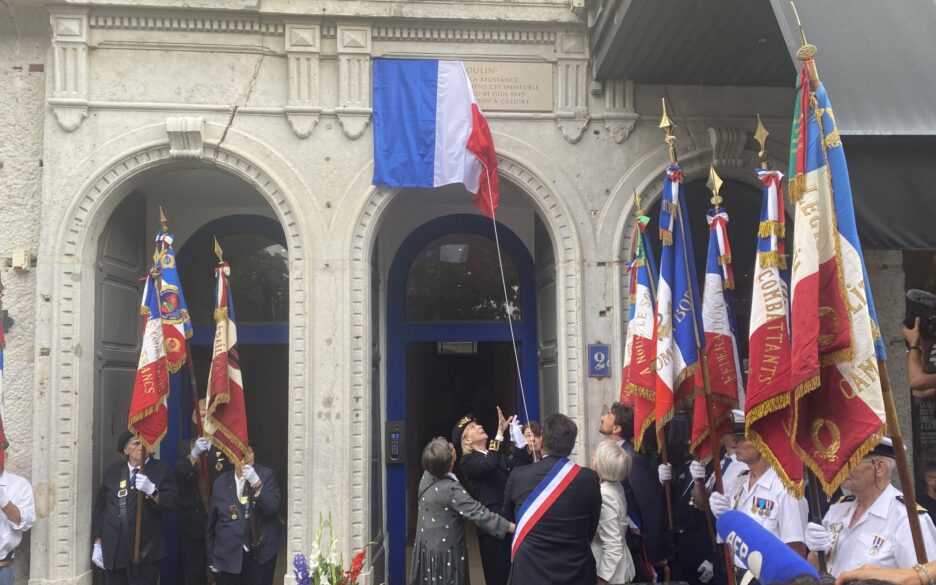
{"points": [[667, 125], [805, 54]]}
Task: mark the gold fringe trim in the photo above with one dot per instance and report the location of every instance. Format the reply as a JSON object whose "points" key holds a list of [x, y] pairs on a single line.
{"points": [[836, 357], [666, 237], [797, 187], [669, 207], [794, 488], [770, 228], [689, 371], [144, 311], [728, 284], [863, 449], [221, 314], [638, 438], [769, 406], [726, 259], [772, 259], [151, 447], [631, 299], [174, 367], [642, 391], [704, 437], [226, 449], [805, 388]]}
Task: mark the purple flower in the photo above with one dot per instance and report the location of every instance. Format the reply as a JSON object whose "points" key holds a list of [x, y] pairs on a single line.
{"points": [[301, 569]]}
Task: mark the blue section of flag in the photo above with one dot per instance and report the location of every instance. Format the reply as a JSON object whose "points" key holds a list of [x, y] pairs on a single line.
{"points": [[842, 199], [174, 309], [686, 298], [151, 299], [646, 276], [405, 94]]}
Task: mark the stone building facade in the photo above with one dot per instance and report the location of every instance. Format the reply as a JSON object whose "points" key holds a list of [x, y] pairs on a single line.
{"points": [[219, 108]]}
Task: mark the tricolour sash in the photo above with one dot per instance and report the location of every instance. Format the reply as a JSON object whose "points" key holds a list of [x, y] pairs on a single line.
{"points": [[542, 498]]}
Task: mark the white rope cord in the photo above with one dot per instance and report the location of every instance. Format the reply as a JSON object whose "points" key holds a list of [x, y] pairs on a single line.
{"points": [[507, 305]]}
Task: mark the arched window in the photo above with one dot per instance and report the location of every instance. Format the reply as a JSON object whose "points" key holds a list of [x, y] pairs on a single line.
{"points": [[457, 278]]}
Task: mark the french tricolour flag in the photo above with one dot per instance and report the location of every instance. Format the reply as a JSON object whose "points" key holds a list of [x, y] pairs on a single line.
{"points": [[429, 130]]}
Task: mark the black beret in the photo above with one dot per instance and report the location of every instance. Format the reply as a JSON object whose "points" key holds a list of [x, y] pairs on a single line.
{"points": [[122, 440], [460, 428]]}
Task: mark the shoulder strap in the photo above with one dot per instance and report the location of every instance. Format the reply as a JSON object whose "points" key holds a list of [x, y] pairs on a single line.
{"points": [[122, 491]]}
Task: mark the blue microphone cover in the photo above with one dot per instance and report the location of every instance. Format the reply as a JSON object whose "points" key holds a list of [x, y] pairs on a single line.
{"points": [[765, 555]]}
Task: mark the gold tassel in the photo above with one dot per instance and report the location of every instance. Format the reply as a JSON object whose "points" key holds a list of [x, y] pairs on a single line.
{"points": [[797, 187], [771, 228], [667, 237]]}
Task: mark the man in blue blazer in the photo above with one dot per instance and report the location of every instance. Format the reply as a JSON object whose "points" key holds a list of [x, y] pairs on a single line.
{"points": [[237, 553]]}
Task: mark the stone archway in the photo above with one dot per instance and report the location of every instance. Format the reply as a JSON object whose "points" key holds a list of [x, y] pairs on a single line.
{"points": [[568, 256], [60, 545]]}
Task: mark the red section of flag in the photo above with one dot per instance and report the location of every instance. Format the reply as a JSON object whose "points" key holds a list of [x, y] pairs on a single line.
{"points": [[226, 417], [481, 144], [723, 381], [148, 418]]}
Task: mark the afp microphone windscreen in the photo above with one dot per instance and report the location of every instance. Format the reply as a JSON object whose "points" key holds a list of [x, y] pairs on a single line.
{"points": [[765, 555]]}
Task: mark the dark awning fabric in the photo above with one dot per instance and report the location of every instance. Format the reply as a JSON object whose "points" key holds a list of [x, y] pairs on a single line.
{"points": [[875, 59], [893, 180]]}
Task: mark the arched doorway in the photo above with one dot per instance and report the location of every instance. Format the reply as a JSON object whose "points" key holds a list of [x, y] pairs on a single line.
{"points": [[449, 349], [201, 204]]}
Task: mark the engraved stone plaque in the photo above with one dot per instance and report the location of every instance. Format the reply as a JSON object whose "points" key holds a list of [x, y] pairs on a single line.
{"points": [[512, 87]]}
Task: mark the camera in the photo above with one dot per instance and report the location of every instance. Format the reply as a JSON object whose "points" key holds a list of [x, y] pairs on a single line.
{"points": [[922, 304]]}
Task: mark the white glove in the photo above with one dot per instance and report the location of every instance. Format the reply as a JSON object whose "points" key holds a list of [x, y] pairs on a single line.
{"points": [[250, 474], [213, 570], [144, 484], [697, 471], [516, 435], [201, 445], [719, 503], [97, 555], [665, 472], [817, 538], [706, 571], [4, 498]]}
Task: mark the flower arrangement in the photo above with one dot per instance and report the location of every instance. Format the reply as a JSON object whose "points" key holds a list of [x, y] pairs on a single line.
{"points": [[324, 566]]}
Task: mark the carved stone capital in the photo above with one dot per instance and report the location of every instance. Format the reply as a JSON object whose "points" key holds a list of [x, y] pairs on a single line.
{"points": [[186, 137], [69, 99], [303, 44], [727, 146], [620, 117], [354, 77]]}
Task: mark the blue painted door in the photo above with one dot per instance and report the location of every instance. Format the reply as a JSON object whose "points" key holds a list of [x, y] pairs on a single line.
{"points": [[447, 350]]}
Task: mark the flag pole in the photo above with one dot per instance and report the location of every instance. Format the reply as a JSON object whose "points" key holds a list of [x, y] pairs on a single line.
{"points": [[138, 528], [667, 126], [805, 54], [203, 478]]}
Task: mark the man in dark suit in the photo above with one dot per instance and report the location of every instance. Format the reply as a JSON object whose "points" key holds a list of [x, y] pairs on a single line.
{"points": [[557, 549], [113, 526], [242, 550]]}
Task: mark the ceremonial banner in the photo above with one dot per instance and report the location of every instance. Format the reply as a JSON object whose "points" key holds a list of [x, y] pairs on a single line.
{"points": [[148, 417], [837, 403], [637, 387], [226, 417], [177, 327], [429, 130], [678, 321], [721, 344], [768, 405]]}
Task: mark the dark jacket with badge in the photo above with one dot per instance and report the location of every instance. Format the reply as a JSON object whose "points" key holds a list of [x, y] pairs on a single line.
{"points": [[114, 514], [193, 516], [486, 474], [228, 528], [558, 548]]}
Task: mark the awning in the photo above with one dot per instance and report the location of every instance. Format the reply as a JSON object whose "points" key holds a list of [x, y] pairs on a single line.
{"points": [[893, 180], [875, 59]]}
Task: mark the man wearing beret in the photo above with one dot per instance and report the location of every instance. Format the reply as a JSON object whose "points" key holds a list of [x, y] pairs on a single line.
{"points": [[113, 526]]}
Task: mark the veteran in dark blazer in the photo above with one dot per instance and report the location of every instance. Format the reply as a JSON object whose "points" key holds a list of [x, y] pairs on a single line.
{"points": [[113, 523], [557, 550], [234, 556]]}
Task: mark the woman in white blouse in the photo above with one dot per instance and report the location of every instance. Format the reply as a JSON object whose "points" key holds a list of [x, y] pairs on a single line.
{"points": [[615, 565]]}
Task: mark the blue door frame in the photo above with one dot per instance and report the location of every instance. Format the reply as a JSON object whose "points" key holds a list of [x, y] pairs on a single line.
{"points": [[179, 402], [400, 333]]}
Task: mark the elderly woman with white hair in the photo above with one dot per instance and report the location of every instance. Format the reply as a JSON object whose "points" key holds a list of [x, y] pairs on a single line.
{"points": [[615, 564]]}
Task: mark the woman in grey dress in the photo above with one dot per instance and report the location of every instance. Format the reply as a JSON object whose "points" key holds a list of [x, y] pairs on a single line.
{"points": [[440, 556]]}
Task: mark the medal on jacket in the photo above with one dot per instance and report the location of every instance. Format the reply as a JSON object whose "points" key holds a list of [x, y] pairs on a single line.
{"points": [[762, 507], [123, 484], [218, 465], [233, 510], [876, 543]]}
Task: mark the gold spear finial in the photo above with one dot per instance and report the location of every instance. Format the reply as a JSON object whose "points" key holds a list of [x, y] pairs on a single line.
{"points": [[807, 50], [714, 184], [638, 210], [667, 125], [760, 135], [163, 222], [218, 251]]}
